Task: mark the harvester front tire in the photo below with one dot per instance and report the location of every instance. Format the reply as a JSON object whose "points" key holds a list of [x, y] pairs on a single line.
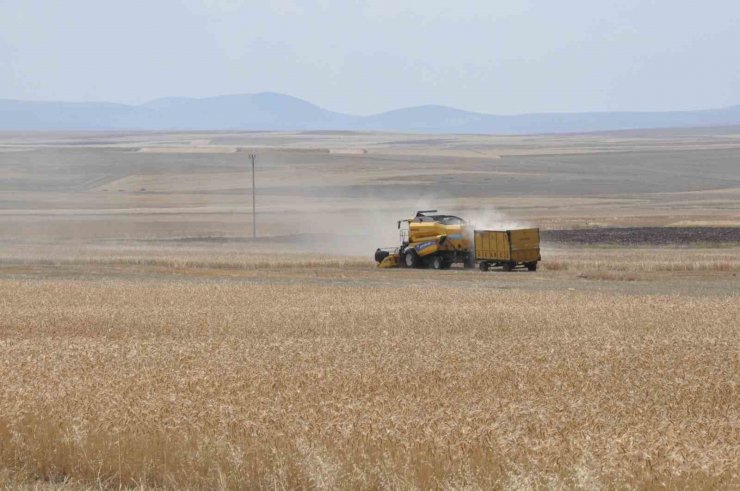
{"points": [[411, 259], [438, 262]]}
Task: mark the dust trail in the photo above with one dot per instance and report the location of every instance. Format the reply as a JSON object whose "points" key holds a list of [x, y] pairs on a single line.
{"points": [[493, 219], [361, 230]]}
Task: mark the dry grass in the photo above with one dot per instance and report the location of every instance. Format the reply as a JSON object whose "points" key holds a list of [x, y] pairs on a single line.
{"points": [[182, 257], [609, 276], [227, 385], [590, 262], [641, 260]]}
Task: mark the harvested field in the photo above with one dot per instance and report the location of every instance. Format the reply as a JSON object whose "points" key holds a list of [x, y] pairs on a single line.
{"points": [[641, 236], [191, 149]]}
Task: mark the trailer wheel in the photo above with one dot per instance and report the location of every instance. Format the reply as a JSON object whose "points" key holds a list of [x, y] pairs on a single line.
{"points": [[532, 266], [411, 259], [508, 266], [438, 262], [484, 265]]}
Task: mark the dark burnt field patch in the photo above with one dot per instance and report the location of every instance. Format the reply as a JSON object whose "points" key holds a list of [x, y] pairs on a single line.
{"points": [[674, 236]]}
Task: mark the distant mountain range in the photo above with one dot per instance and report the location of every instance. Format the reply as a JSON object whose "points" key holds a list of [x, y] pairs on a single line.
{"points": [[271, 111]]}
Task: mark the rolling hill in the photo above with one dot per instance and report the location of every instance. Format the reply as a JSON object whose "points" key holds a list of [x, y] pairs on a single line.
{"points": [[272, 111]]}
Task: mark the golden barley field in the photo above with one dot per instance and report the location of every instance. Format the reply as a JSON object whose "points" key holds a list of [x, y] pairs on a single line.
{"points": [[389, 379], [147, 341]]}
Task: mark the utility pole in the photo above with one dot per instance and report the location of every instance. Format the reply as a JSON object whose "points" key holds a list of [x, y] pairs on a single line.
{"points": [[254, 200]]}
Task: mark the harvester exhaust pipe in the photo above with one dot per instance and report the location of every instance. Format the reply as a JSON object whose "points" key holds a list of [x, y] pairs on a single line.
{"points": [[421, 212]]}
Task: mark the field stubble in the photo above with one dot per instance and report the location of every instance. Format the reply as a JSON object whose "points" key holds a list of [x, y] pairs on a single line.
{"points": [[210, 384], [556, 257]]}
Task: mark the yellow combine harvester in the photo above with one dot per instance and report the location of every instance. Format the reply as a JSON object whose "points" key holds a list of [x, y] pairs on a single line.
{"points": [[438, 241]]}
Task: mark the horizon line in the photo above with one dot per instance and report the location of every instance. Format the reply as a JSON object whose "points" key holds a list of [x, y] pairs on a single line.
{"points": [[418, 106]]}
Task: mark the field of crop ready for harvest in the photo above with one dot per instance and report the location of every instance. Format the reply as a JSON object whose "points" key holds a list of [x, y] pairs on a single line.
{"points": [[218, 384], [148, 341]]}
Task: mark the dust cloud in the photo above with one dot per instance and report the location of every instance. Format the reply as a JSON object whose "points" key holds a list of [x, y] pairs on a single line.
{"points": [[359, 231], [492, 219]]}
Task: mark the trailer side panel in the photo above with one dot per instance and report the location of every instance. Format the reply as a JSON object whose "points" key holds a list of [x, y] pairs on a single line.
{"points": [[525, 245], [492, 245], [520, 246]]}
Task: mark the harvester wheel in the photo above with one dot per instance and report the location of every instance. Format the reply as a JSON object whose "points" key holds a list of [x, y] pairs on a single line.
{"points": [[438, 262], [484, 265], [532, 266], [411, 259], [508, 266]]}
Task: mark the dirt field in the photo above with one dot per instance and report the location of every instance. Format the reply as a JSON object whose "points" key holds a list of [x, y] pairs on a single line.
{"points": [[146, 340], [82, 187], [650, 236]]}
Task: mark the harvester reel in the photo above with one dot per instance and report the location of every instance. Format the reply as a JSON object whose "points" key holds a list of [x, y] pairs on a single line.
{"points": [[380, 255]]}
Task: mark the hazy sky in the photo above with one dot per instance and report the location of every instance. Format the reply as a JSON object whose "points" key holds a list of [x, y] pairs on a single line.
{"points": [[498, 56]]}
